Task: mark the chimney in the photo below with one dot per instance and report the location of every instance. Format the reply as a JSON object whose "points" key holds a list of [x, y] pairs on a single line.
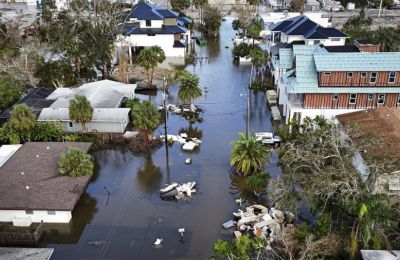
{"points": [[364, 46]]}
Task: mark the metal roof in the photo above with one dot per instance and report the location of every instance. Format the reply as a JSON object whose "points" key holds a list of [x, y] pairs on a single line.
{"points": [[358, 61], [101, 94], [285, 58], [99, 114]]}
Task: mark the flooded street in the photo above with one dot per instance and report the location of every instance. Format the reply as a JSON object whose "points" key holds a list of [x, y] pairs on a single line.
{"points": [[125, 224]]}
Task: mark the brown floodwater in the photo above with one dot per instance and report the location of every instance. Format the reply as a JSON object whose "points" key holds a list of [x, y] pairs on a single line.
{"points": [[125, 224]]}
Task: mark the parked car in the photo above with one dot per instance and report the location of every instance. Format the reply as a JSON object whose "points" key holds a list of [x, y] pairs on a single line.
{"points": [[268, 138], [272, 97]]}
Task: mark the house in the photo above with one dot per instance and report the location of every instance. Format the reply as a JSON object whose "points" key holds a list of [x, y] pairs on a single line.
{"points": [[310, 29], [35, 99], [31, 188], [312, 5], [322, 83], [105, 97], [149, 25]]}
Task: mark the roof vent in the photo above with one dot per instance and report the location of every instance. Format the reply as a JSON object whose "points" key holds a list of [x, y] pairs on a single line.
{"points": [[22, 173], [48, 147], [37, 156], [27, 187]]}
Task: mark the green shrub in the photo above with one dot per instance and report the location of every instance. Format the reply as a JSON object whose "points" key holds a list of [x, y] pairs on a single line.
{"points": [[47, 131], [75, 163]]}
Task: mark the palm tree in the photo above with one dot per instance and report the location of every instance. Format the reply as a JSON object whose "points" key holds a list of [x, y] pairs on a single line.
{"points": [[75, 163], [22, 120], [374, 214], [80, 110], [145, 117], [258, 58], [189, 87], [249, 155], [149, 58]]}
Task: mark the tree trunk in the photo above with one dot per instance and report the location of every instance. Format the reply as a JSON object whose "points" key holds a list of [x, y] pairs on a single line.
{"points": [[151, 77], [105, 70]]}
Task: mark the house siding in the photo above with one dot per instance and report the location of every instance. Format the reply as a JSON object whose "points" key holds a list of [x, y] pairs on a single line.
{"points": [[37, 216], [340, 79], [325, 101]]}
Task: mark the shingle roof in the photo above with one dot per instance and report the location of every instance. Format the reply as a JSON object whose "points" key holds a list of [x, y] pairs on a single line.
{"points": [[35, 99], [358, 61], [99, 114], [40, 187], [302, 25]]}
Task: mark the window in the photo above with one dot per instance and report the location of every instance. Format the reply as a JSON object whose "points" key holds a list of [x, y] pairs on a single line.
{"points": [[353, 99], [349, 74], [370, 96], [29, 212], [327, 73], [148, 23], [398, 100], [392, 77], [381, 99], [51, 212], [335, 96], [70, 124], [372, 79], [151, 34], [363, 75], [317, 41], [335, 39]]}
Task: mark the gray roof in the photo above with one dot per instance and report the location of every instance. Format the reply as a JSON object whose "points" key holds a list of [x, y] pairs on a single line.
{"points": [[101, 94], [30, 178], [15, 253], [99, 114], [358, 61], [380, 255]]}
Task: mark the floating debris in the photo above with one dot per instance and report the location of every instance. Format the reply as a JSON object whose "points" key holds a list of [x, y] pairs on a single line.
{"points": [[188, 161], [158, 242], [189, 144], [178, 191]]}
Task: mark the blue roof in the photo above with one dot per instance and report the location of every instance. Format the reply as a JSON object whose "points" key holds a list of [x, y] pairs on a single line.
{"points": [[168, 13], [146, 11], [302, 25], [184, 20], [358, 61]]}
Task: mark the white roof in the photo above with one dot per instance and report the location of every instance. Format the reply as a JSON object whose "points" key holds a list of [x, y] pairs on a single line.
{"points": [[380, 255], [6, 151], [99, 114], [101, 94]]}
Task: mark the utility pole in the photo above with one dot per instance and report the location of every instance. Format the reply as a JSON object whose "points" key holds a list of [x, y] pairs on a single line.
{"points": [[380, 9], [248, 115], [165, 124]]}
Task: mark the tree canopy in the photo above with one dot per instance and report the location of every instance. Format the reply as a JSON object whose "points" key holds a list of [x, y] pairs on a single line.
{"points": [[180, 5], [22, 120], [145, 116], [188, 87], [149, 58], [10, 91], [80, 111], [75, 163]]}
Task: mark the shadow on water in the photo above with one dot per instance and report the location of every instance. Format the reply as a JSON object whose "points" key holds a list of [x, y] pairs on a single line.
{"points": [[149, 176]]}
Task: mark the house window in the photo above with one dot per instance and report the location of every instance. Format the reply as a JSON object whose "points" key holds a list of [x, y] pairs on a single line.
{"points": [[335, 39], [70, 124], [381, 99], [392, 77], [29, 212], [363, 75], [51, 212], [349, 74], [370, 96], [317, 41], [148, 23], [151, 34], [372, 79], [335, 96], [352, 99], [327, 73]]}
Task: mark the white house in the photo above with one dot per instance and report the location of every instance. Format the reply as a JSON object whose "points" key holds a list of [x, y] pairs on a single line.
{"points": [[105, 97], [149, 25], [31, 188]]}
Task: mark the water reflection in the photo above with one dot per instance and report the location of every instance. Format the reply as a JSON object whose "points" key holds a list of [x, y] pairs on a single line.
{"points": [[242, 190], [149, 176], [192, 132], [69, 233]]}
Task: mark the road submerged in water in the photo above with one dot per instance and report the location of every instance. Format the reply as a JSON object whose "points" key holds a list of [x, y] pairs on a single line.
{"points": [[126, 224]]}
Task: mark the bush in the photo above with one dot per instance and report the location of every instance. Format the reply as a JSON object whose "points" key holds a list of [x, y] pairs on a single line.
{"points": [[47, 131], [10, 91], [82, 138], [241, 50], [75, 163]]}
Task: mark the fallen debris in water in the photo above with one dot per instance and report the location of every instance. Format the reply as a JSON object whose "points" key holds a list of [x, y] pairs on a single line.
{"points": [[178, 191], [158, 241], [96, 242], [259, 221], [188, 143], [188, 161]]}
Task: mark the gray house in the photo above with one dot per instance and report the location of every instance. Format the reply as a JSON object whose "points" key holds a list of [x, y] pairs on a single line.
{"points": [[105, 97]]}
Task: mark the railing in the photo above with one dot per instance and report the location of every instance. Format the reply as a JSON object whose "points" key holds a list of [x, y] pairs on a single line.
{"points": [[21, 236]]}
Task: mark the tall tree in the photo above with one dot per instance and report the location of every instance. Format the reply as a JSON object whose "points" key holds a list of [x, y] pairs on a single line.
{"points": [[180, 5], [145, 117], [258, 58], [80, 111], [248, 155], [188, 87], [297, 5], [212, 21], [149, 58], [23, 120], [10, 91]]}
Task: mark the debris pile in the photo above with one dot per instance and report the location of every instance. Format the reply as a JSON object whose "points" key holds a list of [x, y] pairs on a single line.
{"points": [[258, 221], [178, 191], [188, 143], [179, 109]]}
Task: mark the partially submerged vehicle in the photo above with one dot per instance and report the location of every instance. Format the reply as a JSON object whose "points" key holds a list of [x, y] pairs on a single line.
{"points": [[268, 138]]}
